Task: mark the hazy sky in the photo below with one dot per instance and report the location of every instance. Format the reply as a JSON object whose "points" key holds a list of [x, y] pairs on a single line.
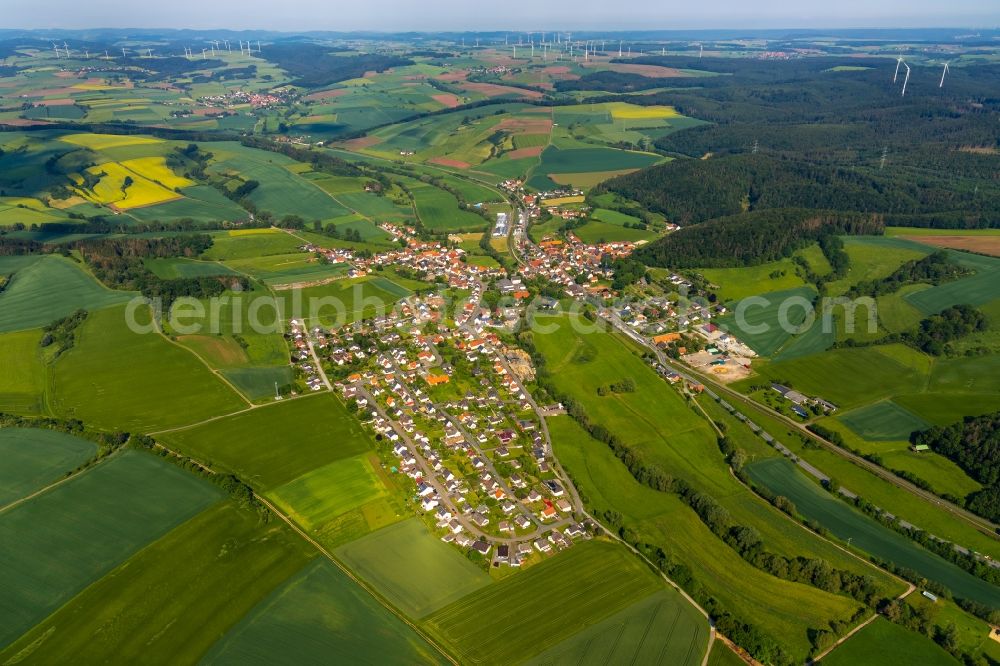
{"points": [[400, 15]]}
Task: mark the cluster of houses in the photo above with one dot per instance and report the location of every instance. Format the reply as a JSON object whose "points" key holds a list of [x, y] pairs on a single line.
{"points": [[581, 269], [458, 422], [257, 100], [301, 357]]}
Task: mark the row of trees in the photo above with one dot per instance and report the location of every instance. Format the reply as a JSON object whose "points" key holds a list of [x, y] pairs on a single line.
{"points": [[936, 268]]}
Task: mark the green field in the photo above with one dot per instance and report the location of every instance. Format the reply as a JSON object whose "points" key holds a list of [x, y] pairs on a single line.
{"points": [[179, 267], [34, 458], [780, 608], [343, 301], [228, 245], [319, 496], [760, 325], [61, 541], [30, 300], [272, 445], [22, 383], [438, 211], [738, 283], [977, 289], [169, 602], [661, 630], [873, 258], [115, 378], [258, 383], [883, 421], [781, 477], [412, 568], [321, 616], [523, 615], [850, 377], [883, 643], [596, 231], [584, 160]]}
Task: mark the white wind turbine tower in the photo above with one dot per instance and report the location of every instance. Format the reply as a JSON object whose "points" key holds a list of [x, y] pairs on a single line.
{"points": [[86, 54], [899, 61], [56, 48], [66, 49], [203, 56], [123, 53], [701, 51], [619, 48], [943, 72], [906, 80], [258, 46], [106, 56]]}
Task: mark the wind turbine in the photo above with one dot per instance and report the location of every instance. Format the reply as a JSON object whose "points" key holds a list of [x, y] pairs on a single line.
{"points": [[86, 54], [56, 47], [906, 80], [619, 48], [258, 46], [943, 72], [899, 61], [149, 53], [203, 57], [701, 51], [66, 49], [123, 53]]}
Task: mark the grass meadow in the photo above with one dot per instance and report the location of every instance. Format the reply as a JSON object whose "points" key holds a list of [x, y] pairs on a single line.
{"points": [[883, 643]]}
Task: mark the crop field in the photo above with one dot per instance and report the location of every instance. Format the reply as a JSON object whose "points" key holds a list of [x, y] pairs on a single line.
{"points": [[582, 160], [30, 301], [319, 616], [438, 211], [272, 445], [319, 496], [883, 421], [276, 269], [883, 643], [343, 301], [59, 542], [661, 630], [34, 458], [761, 327], [977, 289], [514, 618], [258, 383], [444, 575], [170, 602], [851, 377], [973, 634], [179, 267], [101, 142], [781, 608], [782, 478], [22, 383], [115, 378], [229, 245], [112, 189]]}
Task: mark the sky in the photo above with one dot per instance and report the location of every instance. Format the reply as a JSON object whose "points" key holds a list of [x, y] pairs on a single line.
{"points": [[443, 15]]}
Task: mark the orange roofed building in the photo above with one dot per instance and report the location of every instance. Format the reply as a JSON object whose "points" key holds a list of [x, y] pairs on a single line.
{"points": [[665, 338], [434, 380]]}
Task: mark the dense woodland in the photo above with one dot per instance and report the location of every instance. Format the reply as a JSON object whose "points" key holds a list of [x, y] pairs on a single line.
{"points": [[753, 238], [119, 263], [974, 444], [795, 134], [314, 66]]}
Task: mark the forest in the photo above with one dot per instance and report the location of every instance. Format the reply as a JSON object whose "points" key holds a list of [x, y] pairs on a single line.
{"points": [[752, 238], [315, 66], [974, 444]]}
